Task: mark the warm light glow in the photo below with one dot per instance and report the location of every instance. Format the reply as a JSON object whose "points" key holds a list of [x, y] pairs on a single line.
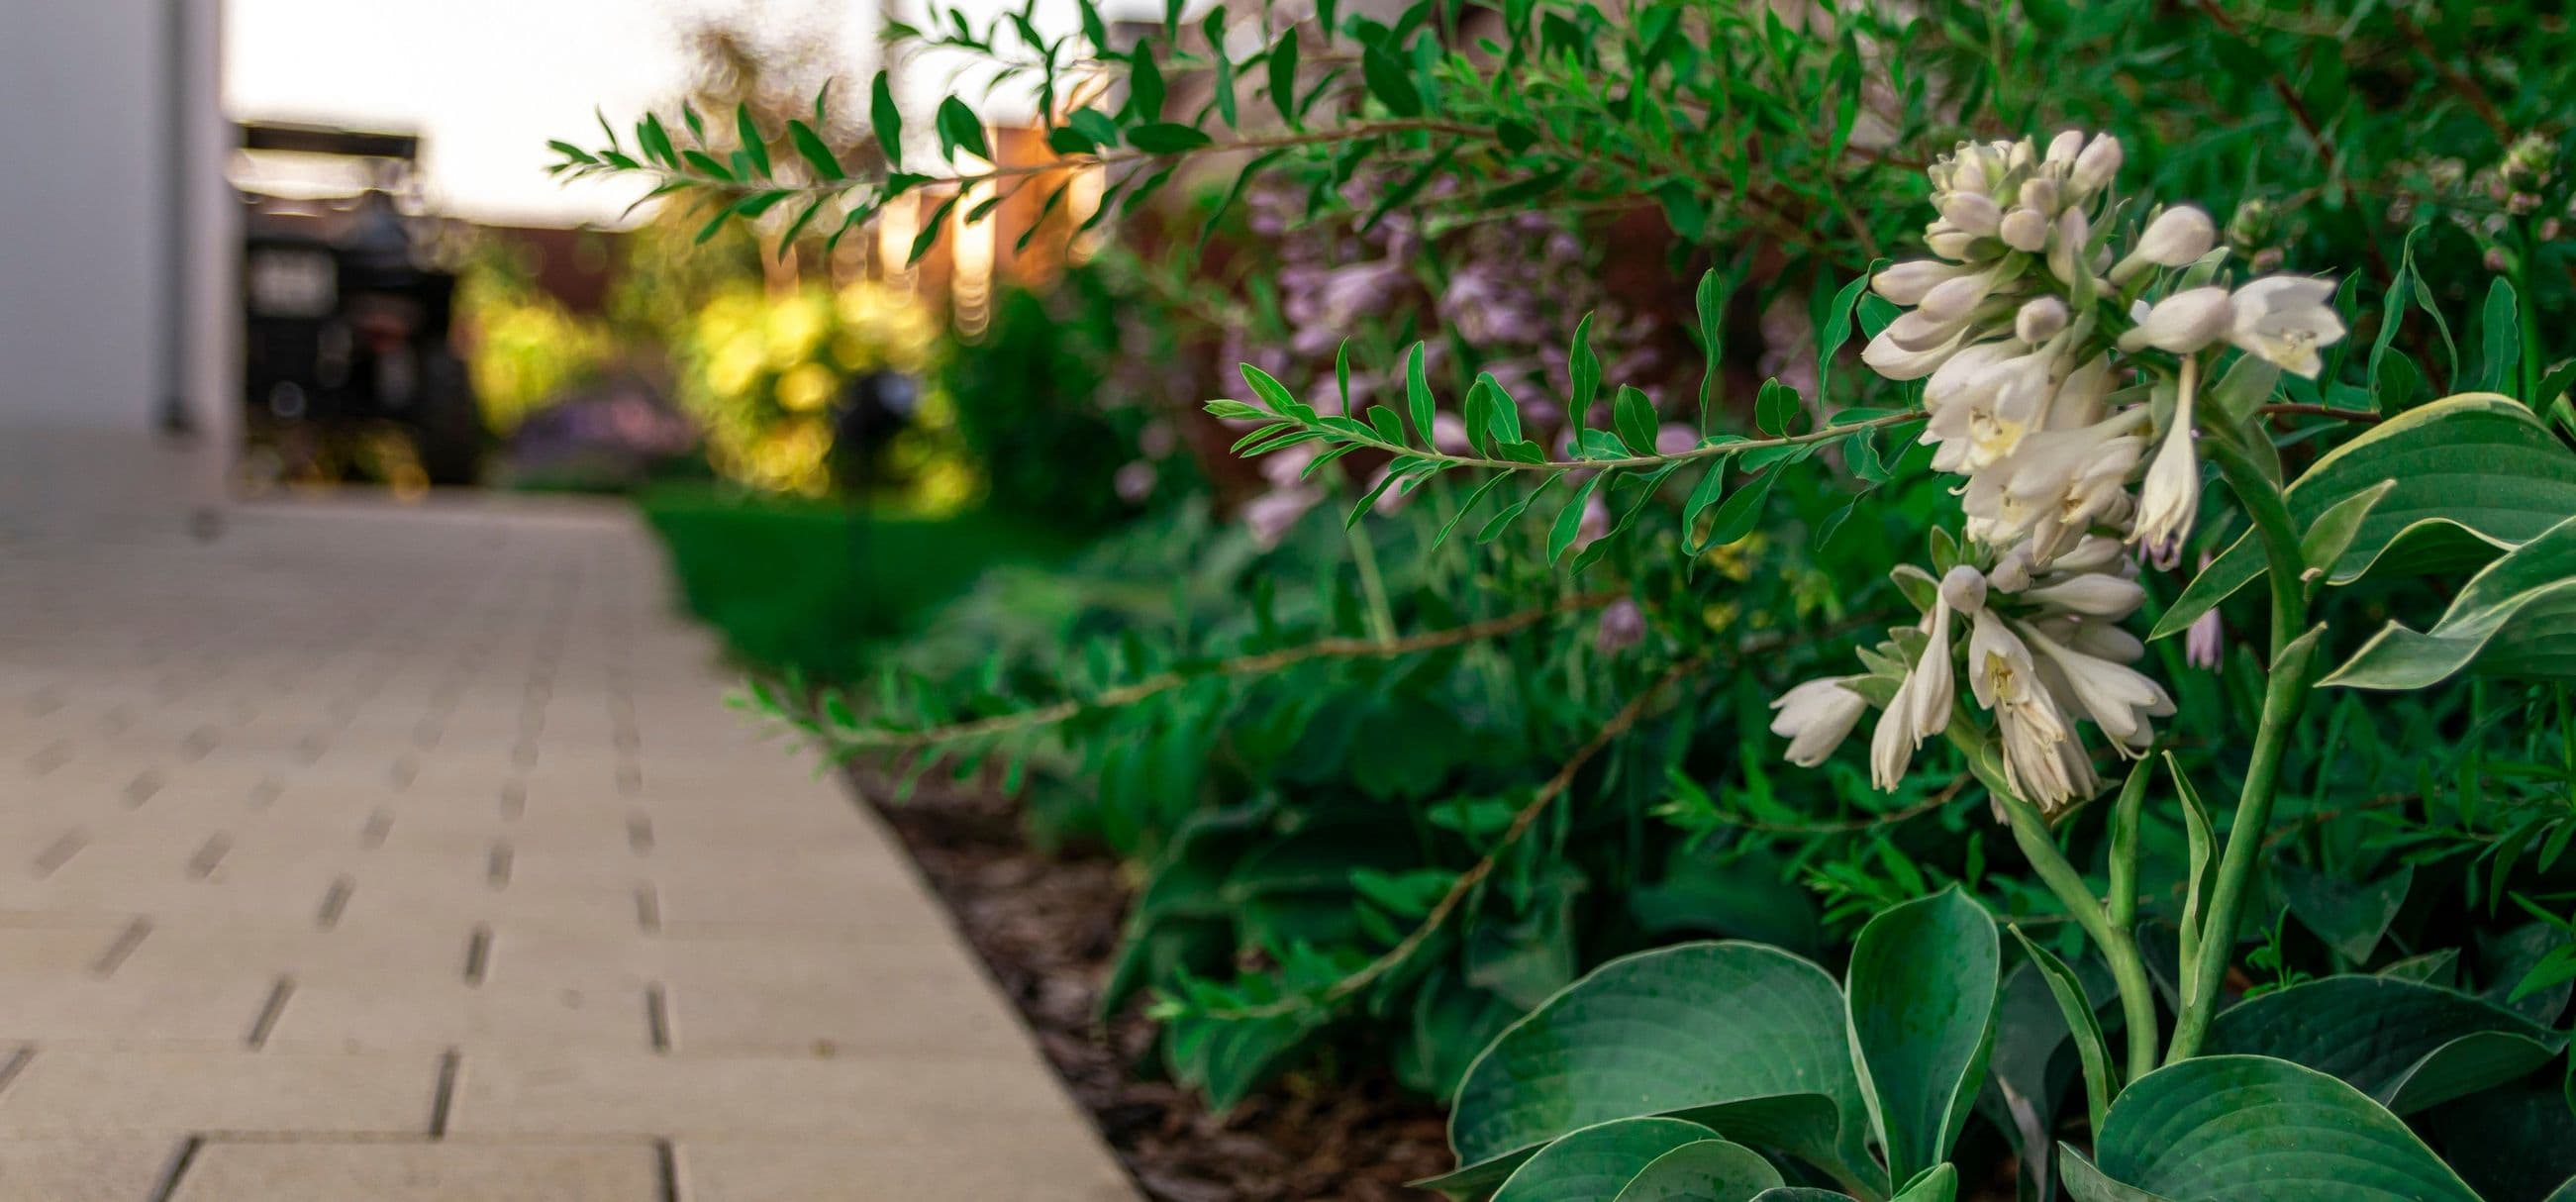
{"points": [[898, 223], [971, 287], [1081, 200]]}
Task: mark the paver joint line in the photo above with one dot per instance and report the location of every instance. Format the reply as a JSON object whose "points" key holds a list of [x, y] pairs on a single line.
{"points": [[170, 1177], [443, 1103], [116, 952], [14, 1065]]}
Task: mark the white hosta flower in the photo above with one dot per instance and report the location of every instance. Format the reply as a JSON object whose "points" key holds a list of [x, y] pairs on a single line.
{"points": [[1816, 717], [2184, 322], [2170, 499], [2042, 763], [1982, 407], [2083, 397], [2117, 697], [2285, 318], [2053, 486], [2176, 238]]}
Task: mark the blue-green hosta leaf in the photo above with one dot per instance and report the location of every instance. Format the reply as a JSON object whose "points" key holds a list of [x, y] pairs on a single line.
{"points": [[1922, 998], [2350, 918], [1746, 1038], [2255, 1129], [1711, 1170], [1591, 1164], [2407, 1044], [2476, 473], [2516, 618]]}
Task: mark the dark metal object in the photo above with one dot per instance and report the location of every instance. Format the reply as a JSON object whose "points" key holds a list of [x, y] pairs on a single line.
{"points": [[348, 321]]}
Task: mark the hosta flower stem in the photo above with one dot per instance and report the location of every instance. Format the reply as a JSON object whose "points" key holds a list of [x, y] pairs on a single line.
{"points": [[2119, 949], [2292, 654]]}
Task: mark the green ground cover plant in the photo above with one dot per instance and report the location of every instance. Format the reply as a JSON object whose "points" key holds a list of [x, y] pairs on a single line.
{"points": [[2150, 420]]}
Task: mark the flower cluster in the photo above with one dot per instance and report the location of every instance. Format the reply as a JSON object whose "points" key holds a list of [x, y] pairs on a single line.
{"points": [[2061, 382]]}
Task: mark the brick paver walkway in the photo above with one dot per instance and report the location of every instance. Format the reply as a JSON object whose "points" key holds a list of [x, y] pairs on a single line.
{"points": [[379, 855]]}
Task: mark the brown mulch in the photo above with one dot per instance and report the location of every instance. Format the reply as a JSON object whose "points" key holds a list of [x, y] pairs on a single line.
{"points": [[1047, 928]]}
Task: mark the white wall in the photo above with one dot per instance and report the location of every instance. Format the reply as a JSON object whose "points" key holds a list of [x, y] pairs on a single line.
{"points": [[87, 212]]}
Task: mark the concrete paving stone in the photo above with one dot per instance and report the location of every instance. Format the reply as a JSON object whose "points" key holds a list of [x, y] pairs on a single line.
{"points": [[884, 1015], [76, 1091], [55, 949], [102, 1169], [442, 1011], [418, 1172], [983, 1161], [420, 946], [280, 898], [573, 1093], [72, 1005], [800, 902]]}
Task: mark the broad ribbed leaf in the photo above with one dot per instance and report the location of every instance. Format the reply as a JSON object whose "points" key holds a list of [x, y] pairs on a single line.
{"points": [[1592, 1164], [2475, 474], [1745, 1038], [1801, 1193], [2350, 917], [1711, 1170], [1922, 997], [2515, 618], [2255, 1129], [2407, 1044]]}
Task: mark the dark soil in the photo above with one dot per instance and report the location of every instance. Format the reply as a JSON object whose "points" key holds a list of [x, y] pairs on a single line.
{"points": [[1047, 928]]}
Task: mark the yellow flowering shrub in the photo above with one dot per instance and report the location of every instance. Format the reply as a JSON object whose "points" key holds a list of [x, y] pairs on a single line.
{"points": [[760, 370]]}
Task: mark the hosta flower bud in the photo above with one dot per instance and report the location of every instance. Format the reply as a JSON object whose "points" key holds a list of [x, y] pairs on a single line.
{"points": [[2040, 194], [2252, 224], [2094, 594], [1949, 241], [2024, 230], [2065, 146], [1964, 588], [2177, 236], [1906, 283], [2184, 322], [1953, 299], [2065, 252], [1974, 212], [2096, 166], [2039, 320]]}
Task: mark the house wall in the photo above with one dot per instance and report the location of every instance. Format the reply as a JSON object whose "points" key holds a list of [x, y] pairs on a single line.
{"points": [[115, 225]]}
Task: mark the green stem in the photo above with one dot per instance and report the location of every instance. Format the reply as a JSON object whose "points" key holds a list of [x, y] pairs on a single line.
{"points": [[2282, 695], [1372, 585], [2128, 969], [2292, 655]]}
